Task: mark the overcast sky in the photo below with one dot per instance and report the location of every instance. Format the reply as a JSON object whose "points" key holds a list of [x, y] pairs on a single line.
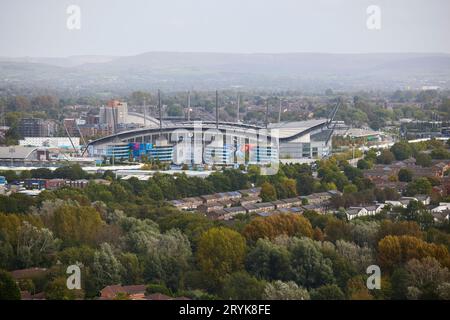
{"points": [[127, 27]]}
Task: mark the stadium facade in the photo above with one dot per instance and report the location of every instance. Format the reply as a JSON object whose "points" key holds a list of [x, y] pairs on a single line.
{"points": [[220, 143]]}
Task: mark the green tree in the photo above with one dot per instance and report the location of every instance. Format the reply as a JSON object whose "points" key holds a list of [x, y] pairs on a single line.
{"points": [[327, 292], [310, 267], [305, 184], [405, 175], [364, 164], [242, 286], [270, 261], [423, 159], [35, 245], [402, 150], [440, 153], [57, 290], [8, 287], [386, 157], [106, 267]]}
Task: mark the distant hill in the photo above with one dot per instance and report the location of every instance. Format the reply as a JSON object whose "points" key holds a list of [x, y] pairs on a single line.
{"points": [[203, 71]]}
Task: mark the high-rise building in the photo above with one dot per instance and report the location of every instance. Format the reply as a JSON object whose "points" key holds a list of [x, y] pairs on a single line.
{"points": [[114, 113], [36, 127]]}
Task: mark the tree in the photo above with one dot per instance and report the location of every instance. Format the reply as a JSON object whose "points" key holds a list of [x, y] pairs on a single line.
{"points": [[8, 287], [357, 289], [402, 150], [76, 224], [242, 286], [41, 173], [305, 184], [289, 187], [279, 290], [57, 290], [310, 267], [360, 257], [426, 275], [268, 192], [72, 172], [397, 250], [220, 251], [405, 175], [327, 292], [419, 186], [267, 260], [106, 267], [34, 245], [399, 228], [337, 229], [399, 280], [386, 157], [350, 188], [440, 153], [132, 269], [364, 164], [423, 159], [168, 259], [275, 225]]}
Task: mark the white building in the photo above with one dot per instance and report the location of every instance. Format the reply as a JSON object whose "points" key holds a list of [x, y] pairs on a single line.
{"points": [[51, 142]]}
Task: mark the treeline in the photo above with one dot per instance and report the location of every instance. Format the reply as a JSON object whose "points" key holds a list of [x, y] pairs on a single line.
{"points": [[126, 233], [284, 256]]}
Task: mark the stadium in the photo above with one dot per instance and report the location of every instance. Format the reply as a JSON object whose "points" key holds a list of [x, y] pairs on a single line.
{"points": [[215, 142], [219, 142]]}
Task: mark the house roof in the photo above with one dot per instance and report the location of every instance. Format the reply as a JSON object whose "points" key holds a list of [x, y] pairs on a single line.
{"points": [[158, 296], [234, 209], [113, 290], [28, 273]]}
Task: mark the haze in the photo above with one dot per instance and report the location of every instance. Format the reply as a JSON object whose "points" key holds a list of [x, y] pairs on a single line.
{"points": [[114, 27]]}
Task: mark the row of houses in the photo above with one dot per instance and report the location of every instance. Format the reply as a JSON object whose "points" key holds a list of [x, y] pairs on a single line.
{"points": [[49, 184], [383, 175], [318, 202], [440, 212], [226, 205], [212, 202]]}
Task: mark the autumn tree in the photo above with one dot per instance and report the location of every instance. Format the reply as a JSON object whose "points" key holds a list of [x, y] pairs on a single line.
{"points": [[268, 192], [275, 225], [220, 251], [396, 250], [76, 224]]}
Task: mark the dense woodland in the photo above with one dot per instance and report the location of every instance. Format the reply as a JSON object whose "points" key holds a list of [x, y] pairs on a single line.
{"points": [[126, 233]]}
